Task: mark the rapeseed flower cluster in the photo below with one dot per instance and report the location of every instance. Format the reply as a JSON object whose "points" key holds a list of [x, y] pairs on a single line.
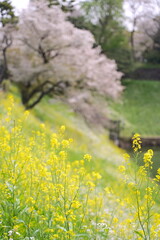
{"points": [[136, 144], [44, 195], [144, 191], [148, 159]]}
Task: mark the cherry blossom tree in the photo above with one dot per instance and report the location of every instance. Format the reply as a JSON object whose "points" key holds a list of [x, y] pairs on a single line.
{"points": [[51, 56]]}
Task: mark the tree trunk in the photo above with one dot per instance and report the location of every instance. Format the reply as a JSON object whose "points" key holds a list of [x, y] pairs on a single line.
{"points": [[4, 71], [132, 46], [132, 40]]}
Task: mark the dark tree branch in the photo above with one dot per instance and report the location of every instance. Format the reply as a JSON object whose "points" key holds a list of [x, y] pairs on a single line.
{"points": [[54, 87], [42, 94]]}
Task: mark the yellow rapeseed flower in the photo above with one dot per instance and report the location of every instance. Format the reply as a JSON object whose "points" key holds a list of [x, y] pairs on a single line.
{"points": [[87, 157], [136, 144], [148, 158], [126, 157], [122, 168]]}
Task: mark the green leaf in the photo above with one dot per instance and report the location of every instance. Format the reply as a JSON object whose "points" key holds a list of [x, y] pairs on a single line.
{"points": [[138, 233]]}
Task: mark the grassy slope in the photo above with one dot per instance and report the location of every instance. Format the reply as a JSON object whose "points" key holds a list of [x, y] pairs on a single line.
{"points": [[106, 156], [139, 108]]}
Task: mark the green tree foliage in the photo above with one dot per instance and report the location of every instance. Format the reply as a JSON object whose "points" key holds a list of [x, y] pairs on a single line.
{"points": [[66, 5], [7, 14], [107, 14], [104, 18]]}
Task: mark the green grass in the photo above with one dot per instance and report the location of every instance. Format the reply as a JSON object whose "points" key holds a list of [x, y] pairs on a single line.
{"points": [[139, 108]]}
